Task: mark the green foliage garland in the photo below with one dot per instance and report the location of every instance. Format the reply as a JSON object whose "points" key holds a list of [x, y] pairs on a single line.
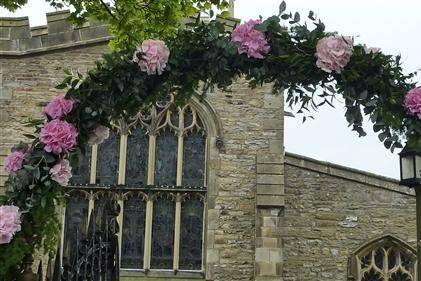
{"points": [[203, 57]]}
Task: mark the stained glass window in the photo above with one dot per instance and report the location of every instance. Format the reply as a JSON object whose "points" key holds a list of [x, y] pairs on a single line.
{"points": [[191, 234], [81, 173], [194, 159], [76, 221], [133, 232], [166, 159], [162, 198], [137, 157], [107, 163], [163, 233]]}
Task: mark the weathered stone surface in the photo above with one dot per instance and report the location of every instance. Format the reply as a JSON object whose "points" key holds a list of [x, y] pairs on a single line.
{"points": [[265, 220], [328, 217]]}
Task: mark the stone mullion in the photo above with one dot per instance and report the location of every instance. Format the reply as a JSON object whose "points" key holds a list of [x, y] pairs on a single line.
{"points": [[94, 159], [121, 181], [177, 227], [180, 149], [122, 160], [148, 235], [149, 204]]}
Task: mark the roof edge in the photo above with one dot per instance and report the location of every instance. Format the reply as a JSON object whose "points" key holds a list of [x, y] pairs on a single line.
{"points": [[347, 173]]}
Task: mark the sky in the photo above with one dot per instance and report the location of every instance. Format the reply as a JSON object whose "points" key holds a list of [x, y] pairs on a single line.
{"points": [[394, 26]]}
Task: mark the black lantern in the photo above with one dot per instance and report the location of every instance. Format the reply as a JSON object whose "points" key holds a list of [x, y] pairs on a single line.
{"points": [[410, 165]]}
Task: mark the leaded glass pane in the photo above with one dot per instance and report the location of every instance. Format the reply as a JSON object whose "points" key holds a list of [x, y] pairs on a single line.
{"points": [[137, 157], [81, 172], [194, 159], [188, 117], [76, 219], [166, 159], [100, 205], [163, 234], [191, 234], [107, 164], [133, 233]]}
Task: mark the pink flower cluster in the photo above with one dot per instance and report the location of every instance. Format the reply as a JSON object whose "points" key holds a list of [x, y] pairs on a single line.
{"points": [[61, 172], [412, 102], [59, 107], [251, 41], [14, 161], [58, 136], [154, 56], [99, 135], [333, 53], [9, 223]]}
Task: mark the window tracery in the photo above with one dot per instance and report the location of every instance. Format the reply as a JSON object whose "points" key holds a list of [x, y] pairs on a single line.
{"points": [[155, 167], [385, 259]]}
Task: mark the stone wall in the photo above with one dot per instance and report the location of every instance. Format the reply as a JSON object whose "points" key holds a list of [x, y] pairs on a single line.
{"points": [[246, 175], [330, 211]]}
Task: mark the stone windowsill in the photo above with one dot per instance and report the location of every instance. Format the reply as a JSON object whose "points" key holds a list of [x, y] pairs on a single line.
{"points": [[158, 275]]}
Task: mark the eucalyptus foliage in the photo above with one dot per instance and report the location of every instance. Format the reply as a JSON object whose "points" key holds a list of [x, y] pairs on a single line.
{"points": [[203, 57]]}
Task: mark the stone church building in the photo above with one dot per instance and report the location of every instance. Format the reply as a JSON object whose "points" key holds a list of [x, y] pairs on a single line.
{"points": [[207, 191]]}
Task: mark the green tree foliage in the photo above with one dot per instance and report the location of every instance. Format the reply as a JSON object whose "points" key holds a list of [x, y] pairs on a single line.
{"points": [[132, 21]]}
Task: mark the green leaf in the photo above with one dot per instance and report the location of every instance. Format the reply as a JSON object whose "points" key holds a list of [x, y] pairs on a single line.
{"points": [[297, 17], [282, 7], [311, 15]]}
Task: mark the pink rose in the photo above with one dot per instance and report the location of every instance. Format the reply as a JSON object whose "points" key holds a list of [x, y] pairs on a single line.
{"points": [[61, 172], [333, 53], [154, 56], [58, 136], [9, 223], [99, 135], [14, 161], [251, 41], [412, 102], [59, 107], [371, 50]]}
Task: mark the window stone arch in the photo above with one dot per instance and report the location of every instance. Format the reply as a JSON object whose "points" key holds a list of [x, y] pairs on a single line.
{"points": [[386, 258], [132, 168]]}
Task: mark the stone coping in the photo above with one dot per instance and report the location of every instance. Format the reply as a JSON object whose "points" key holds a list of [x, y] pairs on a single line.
{"points": [[18, 38], [347, 173]]}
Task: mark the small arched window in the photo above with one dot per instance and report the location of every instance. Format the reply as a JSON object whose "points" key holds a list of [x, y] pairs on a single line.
{"points": [[383, 259], [155, 167]]}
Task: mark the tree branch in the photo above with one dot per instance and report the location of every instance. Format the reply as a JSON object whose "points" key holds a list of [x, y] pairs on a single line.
{"points": [[107, 8]]}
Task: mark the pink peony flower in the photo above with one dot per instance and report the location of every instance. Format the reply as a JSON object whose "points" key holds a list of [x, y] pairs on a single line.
{"points": [[412, 102], [14, 161], [61, 172], [371, 50], [58, 136], [99, 135], [154, 56], [252, 42], [59, 107], [333, 53], [9, 223]]}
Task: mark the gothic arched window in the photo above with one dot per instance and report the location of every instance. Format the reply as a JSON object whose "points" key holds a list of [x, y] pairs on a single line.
{"points": [[155, 167], [383, 259]]}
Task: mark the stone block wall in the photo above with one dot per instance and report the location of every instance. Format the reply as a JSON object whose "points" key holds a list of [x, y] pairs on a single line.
{"points": [[330, 211], [251, 129]]}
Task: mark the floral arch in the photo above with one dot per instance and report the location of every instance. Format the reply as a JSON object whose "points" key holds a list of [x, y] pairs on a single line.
{"points": [[311, 66]]}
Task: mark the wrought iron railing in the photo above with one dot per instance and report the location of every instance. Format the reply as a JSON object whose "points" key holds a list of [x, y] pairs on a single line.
{"points": [[95, 258]]}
